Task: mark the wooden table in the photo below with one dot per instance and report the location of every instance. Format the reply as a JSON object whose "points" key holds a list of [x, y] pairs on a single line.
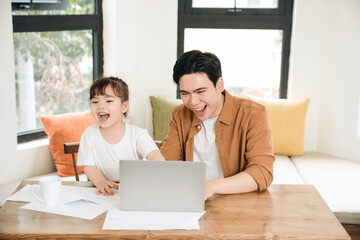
{"points": [[281, 212]]}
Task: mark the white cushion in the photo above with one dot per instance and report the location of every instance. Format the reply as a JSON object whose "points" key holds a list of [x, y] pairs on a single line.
{"points": [[336, 179], [285, 171]]}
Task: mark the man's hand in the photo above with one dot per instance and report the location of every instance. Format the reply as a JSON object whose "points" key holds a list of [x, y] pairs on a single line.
{"points": [[106, 187], [210, 187]]}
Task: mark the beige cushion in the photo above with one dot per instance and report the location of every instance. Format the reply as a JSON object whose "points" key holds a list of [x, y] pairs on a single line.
{"points": [[287, 121], [162, 111], [285, 171]]}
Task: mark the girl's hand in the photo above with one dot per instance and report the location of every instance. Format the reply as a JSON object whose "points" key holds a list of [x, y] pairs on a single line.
{"points": [[106, 187]]}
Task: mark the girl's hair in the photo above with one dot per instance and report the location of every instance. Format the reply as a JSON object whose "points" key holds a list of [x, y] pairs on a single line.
{"points": [[119, 87]]}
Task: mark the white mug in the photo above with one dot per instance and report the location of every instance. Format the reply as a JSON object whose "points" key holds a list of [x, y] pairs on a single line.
{"points": [[49, 188]]}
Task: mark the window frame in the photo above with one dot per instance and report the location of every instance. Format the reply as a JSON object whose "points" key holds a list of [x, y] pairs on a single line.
{"points": [[243, 18], [41, 23], [36, 5]]}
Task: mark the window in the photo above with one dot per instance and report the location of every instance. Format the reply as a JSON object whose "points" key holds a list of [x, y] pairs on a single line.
{"points": [[251, 38], [58, 53]]}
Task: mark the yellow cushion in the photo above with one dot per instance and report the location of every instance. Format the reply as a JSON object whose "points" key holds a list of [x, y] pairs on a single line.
{"points": [[61, 129], [162, 111], [287, 121]]}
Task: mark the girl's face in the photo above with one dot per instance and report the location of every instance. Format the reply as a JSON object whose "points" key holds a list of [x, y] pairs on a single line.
{"points": [[108, 110]]}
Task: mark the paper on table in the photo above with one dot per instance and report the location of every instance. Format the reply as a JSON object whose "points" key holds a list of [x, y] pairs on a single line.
{"points": [[143, 220], [74, 202], [6, 190], [79, 209], [26, 195], [80, 202], [69, 194], [111, 201], [23, 195]]}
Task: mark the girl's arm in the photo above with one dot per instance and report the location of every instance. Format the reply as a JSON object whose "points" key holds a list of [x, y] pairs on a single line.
{"points": [[103, 186], [155, 155]]}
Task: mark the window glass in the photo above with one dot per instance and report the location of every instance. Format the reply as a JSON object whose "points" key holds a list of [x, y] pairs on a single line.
{"points": [[70, 7], [251, 59], [53, 72], [231, 3]]}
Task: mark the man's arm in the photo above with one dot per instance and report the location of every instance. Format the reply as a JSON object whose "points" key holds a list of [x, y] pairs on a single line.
{"points": [[259, 162], [259, 152], [171, 147], [239, 183]]}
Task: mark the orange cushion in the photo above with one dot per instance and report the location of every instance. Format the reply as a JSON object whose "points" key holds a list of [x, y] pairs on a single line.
{"points": [[61, 129]]}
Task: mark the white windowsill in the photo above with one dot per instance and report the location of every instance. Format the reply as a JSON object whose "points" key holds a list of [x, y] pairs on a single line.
{"points": [[33, 144]]}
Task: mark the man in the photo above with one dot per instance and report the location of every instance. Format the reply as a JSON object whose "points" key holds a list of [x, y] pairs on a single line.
{"points": [[230, 135]]}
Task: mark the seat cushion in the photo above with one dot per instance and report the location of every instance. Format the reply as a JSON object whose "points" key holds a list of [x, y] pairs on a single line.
{"points": [[285, 171], [336, 179]]}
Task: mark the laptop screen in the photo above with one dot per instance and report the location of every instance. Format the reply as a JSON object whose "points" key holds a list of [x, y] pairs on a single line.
{"points": [[162, 186]]}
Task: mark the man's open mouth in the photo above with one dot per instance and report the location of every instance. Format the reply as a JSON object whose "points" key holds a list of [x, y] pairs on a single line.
{"points": [[200, 110]]}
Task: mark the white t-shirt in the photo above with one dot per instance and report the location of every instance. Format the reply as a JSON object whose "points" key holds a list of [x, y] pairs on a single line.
{"points": [[206, 150], [136, 144]]}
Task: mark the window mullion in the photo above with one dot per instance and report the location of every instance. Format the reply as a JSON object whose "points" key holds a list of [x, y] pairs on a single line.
{"points": [[54, 23], [240, 22]]}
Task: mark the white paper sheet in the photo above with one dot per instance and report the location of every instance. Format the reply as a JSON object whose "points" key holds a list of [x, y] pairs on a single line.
{"points": [[23, 195], [82, 202], [79, 209], [69, 194], [144, 220]]}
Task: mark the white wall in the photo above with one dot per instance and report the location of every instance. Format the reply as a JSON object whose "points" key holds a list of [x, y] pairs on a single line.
{"points": [[7, 94], [325, 66], [145, 51], [8, 160], [16, 162], [140, 46]]}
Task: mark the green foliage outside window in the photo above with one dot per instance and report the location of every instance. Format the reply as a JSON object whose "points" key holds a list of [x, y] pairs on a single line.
{"points": [[62, 63]]}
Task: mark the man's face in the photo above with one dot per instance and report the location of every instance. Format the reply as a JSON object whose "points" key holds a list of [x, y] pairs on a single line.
{"points": [[199, 95]]}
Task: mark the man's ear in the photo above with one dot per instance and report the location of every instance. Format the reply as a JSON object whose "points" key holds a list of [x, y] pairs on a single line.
{"points": [[125, 106], [220, 85]]}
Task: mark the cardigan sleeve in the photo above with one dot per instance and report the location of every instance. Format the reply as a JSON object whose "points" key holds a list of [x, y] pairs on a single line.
{"points": [[171, 147], [259, 151]]}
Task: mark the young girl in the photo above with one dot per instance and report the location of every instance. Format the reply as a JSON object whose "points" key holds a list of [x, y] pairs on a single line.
{"points": [[103, 145]]}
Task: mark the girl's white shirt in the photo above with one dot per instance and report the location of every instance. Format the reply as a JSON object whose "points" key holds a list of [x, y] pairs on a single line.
{"points": [[136, 144]]}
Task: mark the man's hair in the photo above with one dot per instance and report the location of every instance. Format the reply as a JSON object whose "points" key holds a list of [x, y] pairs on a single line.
{"points": [[119, 87], [196, 61]]}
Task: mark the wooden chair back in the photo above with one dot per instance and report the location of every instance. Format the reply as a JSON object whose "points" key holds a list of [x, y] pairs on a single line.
{"points": [[72, 148]]}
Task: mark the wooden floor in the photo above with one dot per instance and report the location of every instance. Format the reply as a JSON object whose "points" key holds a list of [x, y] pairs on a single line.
{"points": [[353, 231]]}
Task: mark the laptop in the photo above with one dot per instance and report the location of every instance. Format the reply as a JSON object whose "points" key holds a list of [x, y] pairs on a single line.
{"points": [[171, 186]]}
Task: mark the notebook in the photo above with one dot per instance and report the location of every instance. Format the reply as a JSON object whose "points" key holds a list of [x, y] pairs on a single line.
{"points": [[171, 186]]}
